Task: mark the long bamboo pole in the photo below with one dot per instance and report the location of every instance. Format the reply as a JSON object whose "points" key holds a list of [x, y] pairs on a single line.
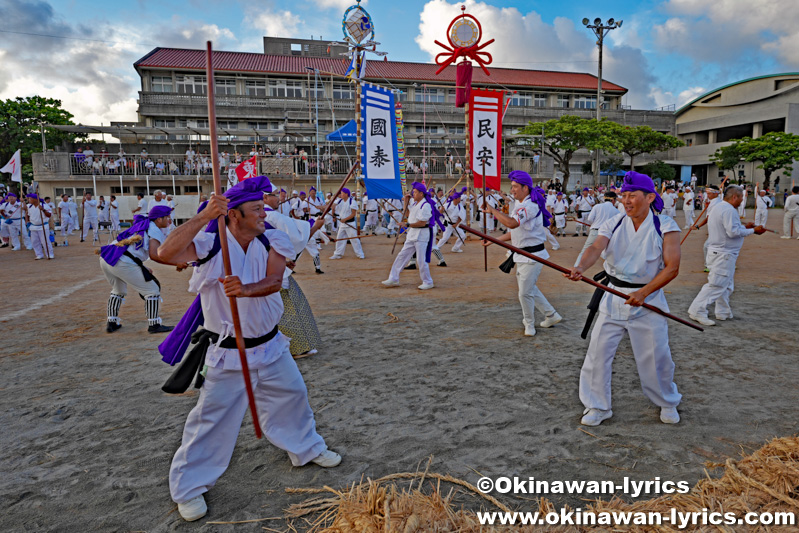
{"points": [[565, 270], [234, 308], [485, 216], [694, 224]]}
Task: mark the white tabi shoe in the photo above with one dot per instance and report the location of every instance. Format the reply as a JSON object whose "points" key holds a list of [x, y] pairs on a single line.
{"points": [[785, 236], [336, 257], [327, 459], [705, 321], [425, 286], [529, 331], [390, 283], [551, 320], [723, 318], [669, 415], [594, 417], [193, 509]]}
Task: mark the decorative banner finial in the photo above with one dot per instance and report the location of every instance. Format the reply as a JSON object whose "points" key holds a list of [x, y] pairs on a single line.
{"points": [[464, 34]]}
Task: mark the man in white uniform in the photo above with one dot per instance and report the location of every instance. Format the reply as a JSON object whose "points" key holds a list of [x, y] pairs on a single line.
{"points": [[418, 238], [599, 214], [13, 213], [559, 208], [670, 202], [124, 265], [791, 215], [455, 214], [762, 204], [158, 199], [370, 207], [642, 255], [582, 206], [113, 213], [394, 210], [284, 207], [66, 220], [742, 207], [713, 199], [490, 202], [688, 206], [89, 217], [345, 213], [141, 207], [73, 216], [39, 215], [725, 238], [212, 427], [528, 230]]}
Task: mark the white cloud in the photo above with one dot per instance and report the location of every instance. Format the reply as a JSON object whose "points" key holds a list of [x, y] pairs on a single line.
{"points": [[278, 23], [666, 98], [525, 41], [341, 5]]}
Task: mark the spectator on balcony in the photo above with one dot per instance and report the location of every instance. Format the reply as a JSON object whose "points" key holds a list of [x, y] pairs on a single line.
{"points": [[448, 161], [173, 168], [268, 152], [111, 166], [144, 154], [80, 160], [89, 153], [159, 167], [149, 166], [97, 167], [238, 157], [103, 153], [122, 159]]}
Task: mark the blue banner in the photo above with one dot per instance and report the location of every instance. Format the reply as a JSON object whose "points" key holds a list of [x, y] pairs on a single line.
{"points": [[379, 157]]}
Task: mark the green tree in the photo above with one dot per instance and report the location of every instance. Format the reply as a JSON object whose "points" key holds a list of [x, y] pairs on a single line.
{"points": [[776, 151], [20, 128], [569, 133], [659, 171], [727, 157], [638, 140]]}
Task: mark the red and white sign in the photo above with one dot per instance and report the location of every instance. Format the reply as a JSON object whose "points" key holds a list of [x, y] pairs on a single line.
{"points": [[485, 136], [247, 169], [14, 167]]}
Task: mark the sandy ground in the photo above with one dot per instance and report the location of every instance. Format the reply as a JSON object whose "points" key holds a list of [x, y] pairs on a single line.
{"points": [[87, 435]]}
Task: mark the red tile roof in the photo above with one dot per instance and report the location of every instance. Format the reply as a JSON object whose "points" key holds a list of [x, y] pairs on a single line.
{"points": [[375, 69]]}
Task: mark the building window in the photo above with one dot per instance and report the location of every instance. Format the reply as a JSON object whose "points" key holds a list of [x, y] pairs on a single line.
{"points": [[429, 95], [452, 96], [163, 123], [563, 100], [584, 102], [540, 100], [182, 123], [227, 125], [316, 89], [162, 84], [255, 87], [258, 125], [285, 89], [521, 100], [225, 86], [191, 84], [115, 190], [343, 91]]}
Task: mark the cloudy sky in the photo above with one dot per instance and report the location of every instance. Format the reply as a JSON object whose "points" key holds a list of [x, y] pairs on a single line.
{"points": [[666, 52]]}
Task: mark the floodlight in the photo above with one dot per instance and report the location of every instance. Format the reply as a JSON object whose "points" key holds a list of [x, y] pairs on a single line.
{"points": [[597, 21], [611, 22], [585, 22], [618, 24]]}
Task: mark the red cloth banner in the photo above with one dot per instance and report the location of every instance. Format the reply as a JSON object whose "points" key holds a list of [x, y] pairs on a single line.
{"points": [[463, 79], [247, 169], [485, 136]]}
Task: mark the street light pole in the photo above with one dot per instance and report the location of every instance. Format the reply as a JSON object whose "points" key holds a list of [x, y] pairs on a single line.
{"points": [[600, 30]]}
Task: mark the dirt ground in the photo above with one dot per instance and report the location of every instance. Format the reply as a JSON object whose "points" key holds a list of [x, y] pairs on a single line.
{"points": [[87, 435]]}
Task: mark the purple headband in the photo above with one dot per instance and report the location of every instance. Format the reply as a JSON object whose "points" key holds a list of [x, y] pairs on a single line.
{"points": [[633, 181], [159, 211], [346, 190], [522, 178], [537, 195], [11, 194], [248, 190], [585, 189], [33, 195]]}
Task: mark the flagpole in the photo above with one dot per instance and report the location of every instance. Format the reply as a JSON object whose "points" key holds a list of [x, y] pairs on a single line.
{"points": [[234, 308], [358, 146], [485, 217]]}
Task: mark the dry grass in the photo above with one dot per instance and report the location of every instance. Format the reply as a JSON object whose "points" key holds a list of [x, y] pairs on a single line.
{"points": [[765, 481]]}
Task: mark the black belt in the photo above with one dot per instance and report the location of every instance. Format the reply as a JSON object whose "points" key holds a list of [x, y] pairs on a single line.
{"points": [[593, 306], [561, 213], [194, 361], [509, 263], [371, 210]]}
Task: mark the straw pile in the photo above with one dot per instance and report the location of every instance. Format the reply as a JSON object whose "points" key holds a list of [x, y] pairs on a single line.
{"points": [[765, 481]]}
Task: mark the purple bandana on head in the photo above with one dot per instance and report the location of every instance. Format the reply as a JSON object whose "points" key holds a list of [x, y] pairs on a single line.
{"points": [[249, 190], [12, 194], [33, 195], [435, 220], [536, 193], [346, 190], [633, 181], [159, 211]]}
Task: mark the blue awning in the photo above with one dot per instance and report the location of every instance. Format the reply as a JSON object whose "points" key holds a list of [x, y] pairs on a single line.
{"points": [[346, 133], [617, 173]]}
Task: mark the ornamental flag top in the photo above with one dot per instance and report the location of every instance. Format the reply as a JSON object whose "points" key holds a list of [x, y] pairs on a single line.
{"points": [[379, 157], [485, 136]]}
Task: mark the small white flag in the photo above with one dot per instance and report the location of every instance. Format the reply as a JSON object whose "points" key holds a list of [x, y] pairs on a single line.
{"points": [[14, 167]]}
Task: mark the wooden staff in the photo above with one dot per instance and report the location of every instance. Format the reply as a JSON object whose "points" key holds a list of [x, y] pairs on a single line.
{"points": [[582, 278], [234, 309], [485, 221], [454, 227], [694, 224], [329, 206]]}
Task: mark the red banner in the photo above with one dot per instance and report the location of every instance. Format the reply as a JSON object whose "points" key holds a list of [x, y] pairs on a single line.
{"points": [[247, 169], [485, 136]]}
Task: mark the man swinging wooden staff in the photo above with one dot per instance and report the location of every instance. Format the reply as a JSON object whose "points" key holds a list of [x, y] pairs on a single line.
{"points": [[271, 378]]}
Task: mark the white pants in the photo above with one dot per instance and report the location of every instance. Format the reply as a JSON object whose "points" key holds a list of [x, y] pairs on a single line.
{"points": [[65, 223], [553, 242], [371, 220], [689, 217], [87, 223], [581, 228], [460, 236], [560, 222], [73, 223], [592, 235], [404, 257], [489, 220], [41, 247], [649, 337], [392, 221], [704, 251], [312, 248], [671, 212], [343, 237], [213, 425], [13, 230], [125, 273], [115, 223], [530, 296], [788, 219], [761, 217], [719, 287]]}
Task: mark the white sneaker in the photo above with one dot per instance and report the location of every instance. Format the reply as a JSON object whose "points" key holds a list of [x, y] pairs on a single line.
{"points": [[529, 331], [39, 258], [669, 415], [556, 248], [193, 509], [785, 236], [594, 417], [327, 459], [457, 251], [705, 321], [361, 257], [551, 320], [390, 283], [335, 257], [723, 318], [425, 286]]}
